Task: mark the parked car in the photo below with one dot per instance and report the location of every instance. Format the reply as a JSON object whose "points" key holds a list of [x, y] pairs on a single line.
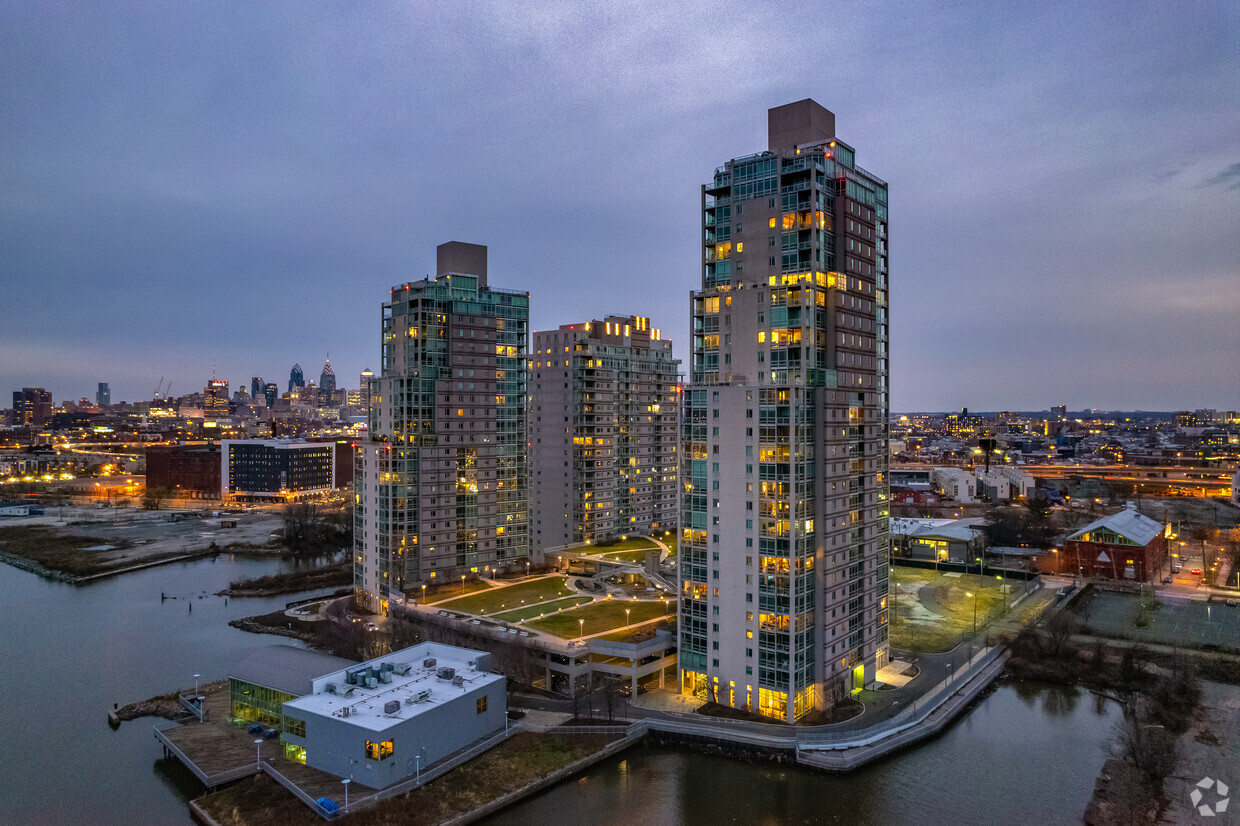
{"points": [[1195, 572], [1167, 580]]}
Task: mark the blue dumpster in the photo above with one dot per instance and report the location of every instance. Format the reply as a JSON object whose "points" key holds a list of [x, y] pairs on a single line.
{"points": [[328, 805]]}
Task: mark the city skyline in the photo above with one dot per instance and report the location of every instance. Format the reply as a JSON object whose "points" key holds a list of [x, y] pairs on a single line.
{"points": [[242, 181]]}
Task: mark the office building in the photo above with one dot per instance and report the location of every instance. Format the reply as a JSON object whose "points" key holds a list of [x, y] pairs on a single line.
{"points": [[276, 469], [295, 378], [215, 400], [364, 389], [103, 395], [256, 386], [784, 540], [327, 379], [603, 419], [32, 406], [272, 392], [187, 471], [441, 482]]}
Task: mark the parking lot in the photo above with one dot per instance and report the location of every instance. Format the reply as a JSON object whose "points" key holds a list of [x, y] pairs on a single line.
{"points": [[1177, 622]]}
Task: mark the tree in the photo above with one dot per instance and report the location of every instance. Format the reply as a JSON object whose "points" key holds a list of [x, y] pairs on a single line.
{"points": [[301, 525], [1059, 629], [1148, 746], [154, 498], [1203, 533]]}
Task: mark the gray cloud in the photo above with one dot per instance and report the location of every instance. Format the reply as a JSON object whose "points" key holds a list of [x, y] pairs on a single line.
{"points": [[1229, 176]]}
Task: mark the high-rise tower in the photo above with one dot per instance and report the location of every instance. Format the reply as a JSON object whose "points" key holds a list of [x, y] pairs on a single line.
{"points": [[784, 463], [603, 421], [441, 485], [295, 378], [327, 379]]}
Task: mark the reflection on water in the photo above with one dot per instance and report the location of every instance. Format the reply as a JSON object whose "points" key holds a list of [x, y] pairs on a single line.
{"points": [[79, 650], [82, 649], [993, 766]]}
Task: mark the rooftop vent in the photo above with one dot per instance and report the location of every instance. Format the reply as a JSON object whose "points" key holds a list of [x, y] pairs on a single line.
{"points": [[447, 673], [391, 707], [429, 662]]}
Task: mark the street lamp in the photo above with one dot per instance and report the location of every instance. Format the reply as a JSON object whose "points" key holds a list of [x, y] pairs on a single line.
{"points": [[346, 783], [581, 625], [626, 617], [971, 594], [462, 585], [423, 593], [259, 750]]}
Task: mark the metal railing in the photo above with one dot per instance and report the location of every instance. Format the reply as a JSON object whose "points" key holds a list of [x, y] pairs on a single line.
{"points": [[208, 780]]}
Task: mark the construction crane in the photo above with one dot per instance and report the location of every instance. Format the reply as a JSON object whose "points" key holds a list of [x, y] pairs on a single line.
{"points": [[161, 384]]}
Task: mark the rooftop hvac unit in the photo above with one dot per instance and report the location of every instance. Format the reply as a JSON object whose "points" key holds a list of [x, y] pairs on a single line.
{"points": [[385, 667], [402, 669], [447, 673], [371, 682], [422, 696], [385, 676], [346, 691], [429, 662], [331, 688], [458, 681], [391, 707]]}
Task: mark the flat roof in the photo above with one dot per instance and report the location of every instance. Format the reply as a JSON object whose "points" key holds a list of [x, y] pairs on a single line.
{"points": [[364, 707], [286, 668]]}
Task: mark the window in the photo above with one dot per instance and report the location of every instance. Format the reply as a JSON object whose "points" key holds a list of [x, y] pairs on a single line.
{"points": [[295, 727], [482, 705], [378, 751]]}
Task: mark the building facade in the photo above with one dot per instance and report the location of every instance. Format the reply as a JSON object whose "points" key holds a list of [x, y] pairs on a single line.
{"points": [[784, 464], [441, 485], [215, 400], [32, 406], [1124, 545], [603, 420], [296, 378], [275, 469], [103, 395]]}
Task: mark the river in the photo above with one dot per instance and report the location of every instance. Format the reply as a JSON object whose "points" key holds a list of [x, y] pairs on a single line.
{"points": [[1027, 753]]}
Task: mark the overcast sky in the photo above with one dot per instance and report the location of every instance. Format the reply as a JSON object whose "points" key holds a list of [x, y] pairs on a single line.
{"points": [[183, 181]]}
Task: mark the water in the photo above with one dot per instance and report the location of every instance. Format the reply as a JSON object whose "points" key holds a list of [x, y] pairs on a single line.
{"points": [[1027, 753], [70, 652]]}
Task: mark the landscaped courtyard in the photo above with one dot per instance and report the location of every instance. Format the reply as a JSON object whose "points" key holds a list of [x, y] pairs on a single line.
{"points": [[511, 597], [933, 612], [601, 616], [541, 608]]}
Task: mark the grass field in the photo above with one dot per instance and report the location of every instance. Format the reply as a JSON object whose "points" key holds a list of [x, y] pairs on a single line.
{"points": [[633, 543], [449, 590], [628, 556], [512, 596], [933, 611], [541, 608], [599, 617]]}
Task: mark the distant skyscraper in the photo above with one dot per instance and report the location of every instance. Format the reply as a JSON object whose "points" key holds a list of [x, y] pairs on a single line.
{"points": [[1059, 412], [327, 379], [215, 399], [602, 432], [256, 387], [364, 386], [103, 396], [295, 378], [441, 484], [272, 392], [783, 552], [32, 406]]}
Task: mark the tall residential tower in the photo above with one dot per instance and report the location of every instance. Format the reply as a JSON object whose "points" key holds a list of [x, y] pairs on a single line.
{"points": [[441, 483], [784, 464], [602, 432]]}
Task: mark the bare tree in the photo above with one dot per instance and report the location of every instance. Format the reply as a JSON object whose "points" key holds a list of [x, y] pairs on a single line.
{"points": [[1148, 746], [154, 498], [1059, 630]]}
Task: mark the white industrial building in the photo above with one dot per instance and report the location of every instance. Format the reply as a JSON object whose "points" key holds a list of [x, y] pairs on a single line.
{"points": [[383, 720], [955, 482]]}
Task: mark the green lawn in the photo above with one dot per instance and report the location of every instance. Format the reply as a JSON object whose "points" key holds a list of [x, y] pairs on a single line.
{"points": [[633, 543], [449, 590], [511, 596], [541, 608], [933, 613], [629, 556], [600, 616]]}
